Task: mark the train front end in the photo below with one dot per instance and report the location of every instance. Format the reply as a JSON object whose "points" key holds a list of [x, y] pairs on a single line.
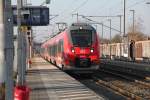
{"points": [[83, 44]]}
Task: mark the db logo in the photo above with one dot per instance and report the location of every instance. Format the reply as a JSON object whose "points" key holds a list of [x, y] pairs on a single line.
{"points": [[82, 51]]}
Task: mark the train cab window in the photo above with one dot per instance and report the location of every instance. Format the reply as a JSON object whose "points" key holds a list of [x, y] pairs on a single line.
{"points": [[81, 37]]}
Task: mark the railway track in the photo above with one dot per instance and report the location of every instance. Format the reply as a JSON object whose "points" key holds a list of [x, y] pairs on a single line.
{"points": [[130, 87], [133, 78], [99, 89], [118, 89], [142, 71]]}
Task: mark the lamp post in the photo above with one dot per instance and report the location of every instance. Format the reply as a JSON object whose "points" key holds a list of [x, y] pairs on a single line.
{"points": [[133, 11], [124, 17], [6, 50], [110, 38], [125, 38], [102, 38], [148, 37], [120, 16], [76, 14]]}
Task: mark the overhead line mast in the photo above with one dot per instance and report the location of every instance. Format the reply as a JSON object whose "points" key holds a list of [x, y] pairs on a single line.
{"points": [[6, 50], [76, 14], [95, 22]]}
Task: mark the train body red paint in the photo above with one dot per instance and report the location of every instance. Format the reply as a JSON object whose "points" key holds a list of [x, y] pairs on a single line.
{"points": [[75, 49]]}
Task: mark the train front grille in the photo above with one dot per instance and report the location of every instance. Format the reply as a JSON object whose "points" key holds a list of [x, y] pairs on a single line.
{"points": [[82, 62]]}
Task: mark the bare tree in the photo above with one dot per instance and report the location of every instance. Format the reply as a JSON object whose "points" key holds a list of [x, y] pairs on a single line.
{"points": [[137, 34], [116, 39], [104, 40]]}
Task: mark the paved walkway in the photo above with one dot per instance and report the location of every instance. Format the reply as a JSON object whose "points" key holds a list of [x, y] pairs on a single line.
{"points": [[47, 82]]}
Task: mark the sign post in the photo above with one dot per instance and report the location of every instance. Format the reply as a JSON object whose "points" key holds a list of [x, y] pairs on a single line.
{"points": [[6, 49], [2, 65], [21, 78]]}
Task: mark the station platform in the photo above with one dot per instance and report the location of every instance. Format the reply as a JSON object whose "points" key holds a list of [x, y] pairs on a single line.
{"points": [[47, 82]]}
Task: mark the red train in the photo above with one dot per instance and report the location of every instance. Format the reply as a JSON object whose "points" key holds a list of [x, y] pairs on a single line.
{"points": [[75, 49]]}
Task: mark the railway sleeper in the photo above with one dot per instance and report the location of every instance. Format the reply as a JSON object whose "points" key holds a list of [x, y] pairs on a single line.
{"points": [[121, 91]]}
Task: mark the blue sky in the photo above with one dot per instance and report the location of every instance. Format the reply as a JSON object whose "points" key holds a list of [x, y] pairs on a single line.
{"points": [[65, 9]]}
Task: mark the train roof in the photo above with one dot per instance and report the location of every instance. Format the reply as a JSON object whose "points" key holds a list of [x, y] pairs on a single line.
{"points": [[76, 26], [86, 26]]}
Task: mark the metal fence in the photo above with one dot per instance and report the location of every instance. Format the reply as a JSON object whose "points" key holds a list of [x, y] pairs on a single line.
{"points": [[141, 51]]}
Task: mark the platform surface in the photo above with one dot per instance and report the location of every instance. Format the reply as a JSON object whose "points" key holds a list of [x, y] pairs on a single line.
{"points": [[47, 82]]}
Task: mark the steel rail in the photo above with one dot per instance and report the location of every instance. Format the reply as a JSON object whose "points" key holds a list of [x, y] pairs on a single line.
{"points": [[118, 89], [128, 78]]}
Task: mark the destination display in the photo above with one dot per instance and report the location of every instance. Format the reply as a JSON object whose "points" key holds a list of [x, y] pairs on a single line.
{"points": [[32, 15]]}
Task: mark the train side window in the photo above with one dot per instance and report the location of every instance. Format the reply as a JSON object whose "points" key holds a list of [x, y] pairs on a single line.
{"points": [[56, 47], [62, 44], [49, 50], [45, 50], [59, 47], [53, 50], [41, 50], [56, 50]]}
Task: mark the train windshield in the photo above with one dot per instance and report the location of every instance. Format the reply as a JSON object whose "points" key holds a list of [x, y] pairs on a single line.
{"points": [[81, 38]]}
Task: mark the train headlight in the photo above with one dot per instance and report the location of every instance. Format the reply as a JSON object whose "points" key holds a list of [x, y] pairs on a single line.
{"points": [[72, 50], [92, 50]]}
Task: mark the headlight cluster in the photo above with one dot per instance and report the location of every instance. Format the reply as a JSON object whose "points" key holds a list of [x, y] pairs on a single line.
{"points": [[72, 50], [92, 50]]}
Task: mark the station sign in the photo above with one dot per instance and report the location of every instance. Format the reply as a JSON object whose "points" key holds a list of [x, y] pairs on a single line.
{"points": [[32, 15]]}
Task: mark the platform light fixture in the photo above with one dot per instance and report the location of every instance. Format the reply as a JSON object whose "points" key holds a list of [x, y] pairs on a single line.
{"points": [[133, 11]]}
